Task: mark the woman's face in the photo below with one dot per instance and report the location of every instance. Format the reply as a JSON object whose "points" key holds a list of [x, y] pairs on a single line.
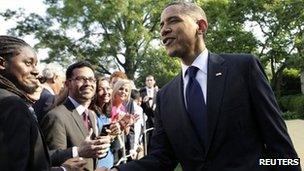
{"points": [[22, 70], [123, 92], [104, 92]]}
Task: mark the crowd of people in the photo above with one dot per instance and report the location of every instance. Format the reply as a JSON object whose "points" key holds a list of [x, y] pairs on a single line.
{"points": [[88, 120], [219, 113]]}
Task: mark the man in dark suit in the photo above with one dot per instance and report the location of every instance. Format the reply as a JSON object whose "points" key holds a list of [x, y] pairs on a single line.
{"points": [[233, 123], [54, 78], [22, 147], [148, 95], [70, 129]]}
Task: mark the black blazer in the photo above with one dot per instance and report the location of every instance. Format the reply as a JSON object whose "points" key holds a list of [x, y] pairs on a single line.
{"points": [[21, 143], [44, 104], [243, 123], [145, 105]]}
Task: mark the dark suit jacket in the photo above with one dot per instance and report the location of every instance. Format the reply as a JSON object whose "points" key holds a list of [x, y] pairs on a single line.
{"points": [[63, 128], [148, 110], [21, 144], [43, 105], [243, 123]]}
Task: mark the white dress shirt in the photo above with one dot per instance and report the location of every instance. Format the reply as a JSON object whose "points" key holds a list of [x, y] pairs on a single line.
{"points": [[150, 92], [200, 62], [79, 108]]}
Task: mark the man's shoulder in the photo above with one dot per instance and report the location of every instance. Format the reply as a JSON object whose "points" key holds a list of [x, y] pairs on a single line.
{"points": [[241, 57], [46, 94], [237, 61], [171, 85], [59, 111]]}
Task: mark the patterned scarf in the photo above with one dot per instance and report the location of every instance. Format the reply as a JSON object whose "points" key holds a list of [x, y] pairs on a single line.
{"points": [[9, 86]]}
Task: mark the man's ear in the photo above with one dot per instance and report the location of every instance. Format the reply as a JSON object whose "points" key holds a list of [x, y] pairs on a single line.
{"points": [[67, 83], [202, 26], [3, 63], [54, 79]]}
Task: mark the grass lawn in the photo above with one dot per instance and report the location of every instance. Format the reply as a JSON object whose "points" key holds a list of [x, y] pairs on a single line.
{"points": [[178, 168]]}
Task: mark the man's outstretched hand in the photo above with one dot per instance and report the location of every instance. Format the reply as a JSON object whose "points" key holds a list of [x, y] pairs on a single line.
{"points": [[74, 164]]}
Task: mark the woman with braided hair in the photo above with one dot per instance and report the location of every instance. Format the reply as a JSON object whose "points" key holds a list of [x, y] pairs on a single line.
{"points": [[22, 146]]}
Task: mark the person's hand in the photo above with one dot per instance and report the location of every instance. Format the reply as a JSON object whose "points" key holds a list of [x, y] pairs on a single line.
{"points": [[133, 153], [127, 120], [94, 148], [125, 123], [139, 148], [115, 129], [146, 98], [104, 144], [74, 164], [136, 117], [105, 169]]}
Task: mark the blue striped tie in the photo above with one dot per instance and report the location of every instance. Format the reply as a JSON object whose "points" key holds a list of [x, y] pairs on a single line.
{"points": [[196, 105]]}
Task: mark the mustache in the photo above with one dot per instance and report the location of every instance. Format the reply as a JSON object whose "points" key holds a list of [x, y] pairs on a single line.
{"points": [[91, 87]]}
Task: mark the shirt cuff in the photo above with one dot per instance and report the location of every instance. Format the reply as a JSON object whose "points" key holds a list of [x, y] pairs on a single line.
{"points": [[64, 169], [74, 151]]}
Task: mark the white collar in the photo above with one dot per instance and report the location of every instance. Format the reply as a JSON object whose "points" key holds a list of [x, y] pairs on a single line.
{"points": [[79, 108], [149, 88], [200, 62]]}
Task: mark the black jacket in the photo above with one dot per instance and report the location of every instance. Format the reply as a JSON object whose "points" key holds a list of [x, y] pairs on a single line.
{"points": [[243, 123]]}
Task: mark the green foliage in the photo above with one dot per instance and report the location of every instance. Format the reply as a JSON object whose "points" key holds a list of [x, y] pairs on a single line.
{"points": [[291, 72], [160, 65], [226, 31], [292, 105], [281, 22], [121, 34], [292, 115], [178, 168], [291, 82], [279, 43], [110, 34]]}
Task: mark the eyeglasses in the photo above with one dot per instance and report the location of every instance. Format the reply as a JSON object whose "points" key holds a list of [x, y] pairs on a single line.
{"points": [[83, 79]]}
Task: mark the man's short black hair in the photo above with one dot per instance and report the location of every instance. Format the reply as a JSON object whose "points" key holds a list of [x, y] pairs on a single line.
{"points": [[80, 64], [135, 94]]}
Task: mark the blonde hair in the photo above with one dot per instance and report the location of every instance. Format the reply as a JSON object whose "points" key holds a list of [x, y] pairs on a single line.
{"points": [[119, 84]]}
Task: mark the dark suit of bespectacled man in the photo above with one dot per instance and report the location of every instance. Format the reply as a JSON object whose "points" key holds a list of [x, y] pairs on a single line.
{"points": [[67, 126], [237, 123]]}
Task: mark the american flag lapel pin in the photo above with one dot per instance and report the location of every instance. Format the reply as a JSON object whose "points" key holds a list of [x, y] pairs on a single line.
{"points": [[218, 74]]}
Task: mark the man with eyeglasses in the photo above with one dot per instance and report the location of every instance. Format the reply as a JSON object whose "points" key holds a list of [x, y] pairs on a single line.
{"points": [[70, 129]]}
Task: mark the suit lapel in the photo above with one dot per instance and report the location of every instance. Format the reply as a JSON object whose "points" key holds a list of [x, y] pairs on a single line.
{"points": [[181, 115], [76, 117], [215, 89]]}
